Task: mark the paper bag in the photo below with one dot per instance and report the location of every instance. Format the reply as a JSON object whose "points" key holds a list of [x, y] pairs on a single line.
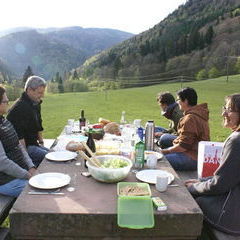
{"points": [[209, 154]]}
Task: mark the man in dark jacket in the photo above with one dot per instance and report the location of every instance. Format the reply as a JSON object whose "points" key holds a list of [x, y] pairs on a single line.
{"points": [[25, 115], [170, 110]]}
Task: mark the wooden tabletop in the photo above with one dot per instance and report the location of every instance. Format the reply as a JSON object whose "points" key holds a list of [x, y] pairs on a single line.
{"points": [[90, 211]]}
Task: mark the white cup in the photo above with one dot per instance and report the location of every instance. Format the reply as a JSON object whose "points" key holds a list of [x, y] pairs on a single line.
{"points": [[70, 122], [162, 182], [137, 123], [68, 129], [152, 161]]}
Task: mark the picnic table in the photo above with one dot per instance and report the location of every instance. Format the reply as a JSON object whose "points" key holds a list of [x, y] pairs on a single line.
{"points": [[90, 211]]}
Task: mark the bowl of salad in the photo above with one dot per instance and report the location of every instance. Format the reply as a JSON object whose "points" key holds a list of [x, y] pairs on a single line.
{"points": [[114, 168]]}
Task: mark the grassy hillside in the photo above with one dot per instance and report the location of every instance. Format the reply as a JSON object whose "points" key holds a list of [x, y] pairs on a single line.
{"points": [[137, 102], [199, 35]]}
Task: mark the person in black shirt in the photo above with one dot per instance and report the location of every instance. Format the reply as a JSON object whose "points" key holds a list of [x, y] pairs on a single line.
{"points": [[25, 115]]}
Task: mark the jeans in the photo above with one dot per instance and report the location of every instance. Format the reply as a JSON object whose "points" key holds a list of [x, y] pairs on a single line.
{"points": [[181, 162], [37, 153], [166, 140], [159, 129], [13, 188]]}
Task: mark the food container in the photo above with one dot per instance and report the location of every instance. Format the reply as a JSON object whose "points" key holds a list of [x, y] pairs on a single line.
{"points": [[133, 189], [109, 175], [135, 212]]}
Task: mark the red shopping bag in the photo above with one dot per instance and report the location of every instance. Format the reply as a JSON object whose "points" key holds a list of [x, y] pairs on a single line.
{"points": [[209, 154]]}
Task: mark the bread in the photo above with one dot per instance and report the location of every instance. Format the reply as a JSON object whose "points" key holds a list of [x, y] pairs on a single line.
{"points": [[103, 121], [112, 128], [74, 146]]}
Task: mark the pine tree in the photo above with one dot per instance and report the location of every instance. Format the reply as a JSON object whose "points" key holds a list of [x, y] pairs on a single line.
{"points": [[75, 74], [209, 35], [57, 77], [28, 73], [60, 85]]}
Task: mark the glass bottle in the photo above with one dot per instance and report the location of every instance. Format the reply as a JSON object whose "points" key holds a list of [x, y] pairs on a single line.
{"points": [[123, 120], [82, 120], [90, 143]]}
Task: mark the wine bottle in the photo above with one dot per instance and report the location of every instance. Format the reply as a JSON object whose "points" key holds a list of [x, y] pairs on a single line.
{"points": [[82, 120], [90, 143]]}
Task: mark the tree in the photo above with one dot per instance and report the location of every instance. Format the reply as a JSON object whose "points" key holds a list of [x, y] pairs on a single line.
{"points": [[75, 74], [60, 85], [209, 35], [28, 73]]}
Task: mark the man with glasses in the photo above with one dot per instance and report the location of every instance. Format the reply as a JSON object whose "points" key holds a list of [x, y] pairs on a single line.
{"points": [[192, 129], [25, 115]]}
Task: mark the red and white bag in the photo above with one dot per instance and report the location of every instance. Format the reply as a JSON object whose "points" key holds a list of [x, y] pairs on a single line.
{"points": [[209, 154]]}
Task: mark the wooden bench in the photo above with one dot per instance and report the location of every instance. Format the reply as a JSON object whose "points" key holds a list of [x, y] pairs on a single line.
{"points": [[6, 203], [208, 232]]}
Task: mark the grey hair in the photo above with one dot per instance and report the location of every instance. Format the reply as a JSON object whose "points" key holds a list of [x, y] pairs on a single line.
{"points": [[34, 82]]}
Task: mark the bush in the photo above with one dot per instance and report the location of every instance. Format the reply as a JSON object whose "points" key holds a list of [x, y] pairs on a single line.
{"points": [[202, 74], [13, 92], [213, 73], [52, 87], [75, 86]]}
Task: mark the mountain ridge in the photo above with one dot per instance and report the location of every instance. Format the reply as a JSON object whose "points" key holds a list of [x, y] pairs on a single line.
{"points": [[54, 50]]}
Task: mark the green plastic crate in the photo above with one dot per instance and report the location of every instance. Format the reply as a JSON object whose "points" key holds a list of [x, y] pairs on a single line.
{"points": [[135, 212]]}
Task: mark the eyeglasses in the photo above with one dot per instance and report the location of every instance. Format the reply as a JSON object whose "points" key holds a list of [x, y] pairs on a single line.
{"points": [[227, 110], [5, 101]]}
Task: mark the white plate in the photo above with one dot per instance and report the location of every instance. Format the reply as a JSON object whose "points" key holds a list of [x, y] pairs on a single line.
{"points": [[150, 176], [158, 154], [61, 156], [49, 180]]}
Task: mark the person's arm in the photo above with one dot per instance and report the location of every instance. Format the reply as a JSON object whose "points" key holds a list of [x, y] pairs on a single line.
{"points": [[18, 120], [40, 138], [10, 167], [175, 148], [186, 137], [226, 176], [22, 142], [27, 159]]}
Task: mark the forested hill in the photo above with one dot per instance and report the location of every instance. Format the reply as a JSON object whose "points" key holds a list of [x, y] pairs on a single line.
{"points": [[53, 50], [193, 40], [4, 72]]}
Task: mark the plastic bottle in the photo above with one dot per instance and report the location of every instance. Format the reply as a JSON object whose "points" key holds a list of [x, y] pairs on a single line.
{"points": [[82, 120], [149, 135], [139, 154], [140, 132]]}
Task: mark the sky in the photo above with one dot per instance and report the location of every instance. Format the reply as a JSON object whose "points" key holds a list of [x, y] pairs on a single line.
{"points": [[133, 16]]}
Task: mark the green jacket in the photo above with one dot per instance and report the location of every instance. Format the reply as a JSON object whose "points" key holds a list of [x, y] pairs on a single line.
{"points": [[174, 114]]}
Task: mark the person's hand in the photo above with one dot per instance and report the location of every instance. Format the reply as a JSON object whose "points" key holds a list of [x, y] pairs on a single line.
{"points": [[32, 171], [190, 182], [158, 134]]}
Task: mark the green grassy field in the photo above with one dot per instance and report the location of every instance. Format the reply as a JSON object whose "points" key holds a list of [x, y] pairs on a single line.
{"points": [[137, 102]]}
